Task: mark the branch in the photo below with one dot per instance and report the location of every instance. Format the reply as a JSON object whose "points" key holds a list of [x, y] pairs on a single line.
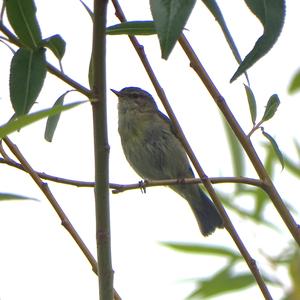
{"points": [[118, 188], [47, 192], [206, 182], [68, 80], [101, 150], [243, 139]]}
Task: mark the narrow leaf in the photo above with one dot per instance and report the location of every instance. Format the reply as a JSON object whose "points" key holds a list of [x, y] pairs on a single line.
{"points": [[52, 121], [222, 282], [24, 120], [271, 14], [27, 75], [216, 12], [275, 147], [245, 214], [8, 196], [170, 17], [292, 166], [22, 18], [295, 84], [56, 44], [202, 249], [271, 108], [132, 28], [89, 11], [252, 103]]}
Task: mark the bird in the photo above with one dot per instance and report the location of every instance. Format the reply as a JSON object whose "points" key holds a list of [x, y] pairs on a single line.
{"points": [[153, 150]]}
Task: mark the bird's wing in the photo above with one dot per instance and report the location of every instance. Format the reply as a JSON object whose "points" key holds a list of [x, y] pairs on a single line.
{"points": [[174, 131], [167, 120]]}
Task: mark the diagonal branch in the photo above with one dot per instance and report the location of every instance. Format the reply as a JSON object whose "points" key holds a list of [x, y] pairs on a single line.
{"points": [[68, 80], [206, 182], [47, 192], [243, 138]]}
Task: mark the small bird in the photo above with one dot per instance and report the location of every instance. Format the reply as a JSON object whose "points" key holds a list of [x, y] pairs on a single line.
{"points": [[153, 150]]}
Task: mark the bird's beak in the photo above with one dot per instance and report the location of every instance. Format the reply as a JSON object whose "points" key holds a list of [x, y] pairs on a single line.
{"points": [[115, 92]]}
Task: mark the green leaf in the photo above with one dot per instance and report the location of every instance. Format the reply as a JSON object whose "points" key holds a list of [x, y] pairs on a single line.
{"points": [[8, 196], [132, 28], [24, 120], [22, 18], [294, 271], [202, 249], [56, 44], [52, 121], [256, 214], [295, 84], [89, 11], [170, 17], [216, 12], [222, 282], [293, 167], [271, 14], [27, 74], [271, 108], [275, 147], [252, 103]]}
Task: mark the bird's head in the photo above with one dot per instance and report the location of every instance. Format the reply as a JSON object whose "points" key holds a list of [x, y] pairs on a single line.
{"points": [[136, 99]]}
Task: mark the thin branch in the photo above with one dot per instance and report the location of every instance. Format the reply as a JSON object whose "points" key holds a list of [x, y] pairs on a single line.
{"points": [[47, 192], [78, 183], [118, 188], [206, 182], [243, 139], [68, 80]]}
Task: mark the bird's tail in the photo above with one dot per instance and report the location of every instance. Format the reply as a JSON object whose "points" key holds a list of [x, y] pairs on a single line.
{"points": [[206, 214]]}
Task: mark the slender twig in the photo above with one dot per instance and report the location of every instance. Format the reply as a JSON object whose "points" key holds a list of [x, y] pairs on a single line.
{"points": [[101, 151], [206, 182], [118, 188], [68, 80], [47, 192], [243, 138]]}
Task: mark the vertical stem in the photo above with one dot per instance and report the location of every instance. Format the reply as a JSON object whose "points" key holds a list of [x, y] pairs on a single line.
{"points": [[101, 151]]}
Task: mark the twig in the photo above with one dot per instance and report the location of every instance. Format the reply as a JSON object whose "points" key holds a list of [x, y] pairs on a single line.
{"points": [[206, 182], [47, 192], [118, 188], [68, 80], [78, 183]]}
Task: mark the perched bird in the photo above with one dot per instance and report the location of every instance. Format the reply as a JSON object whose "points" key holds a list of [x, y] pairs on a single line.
{"points": [[155, 153]]}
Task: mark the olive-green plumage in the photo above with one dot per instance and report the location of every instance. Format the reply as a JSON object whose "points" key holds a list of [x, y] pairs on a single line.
{"points": [[154, 152]]}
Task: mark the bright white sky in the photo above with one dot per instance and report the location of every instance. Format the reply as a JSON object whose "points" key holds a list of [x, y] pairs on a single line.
{"points": [[38, 258]]}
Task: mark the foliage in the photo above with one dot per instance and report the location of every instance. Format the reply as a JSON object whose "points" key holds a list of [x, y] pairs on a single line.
{"points": [[28, 72]]}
